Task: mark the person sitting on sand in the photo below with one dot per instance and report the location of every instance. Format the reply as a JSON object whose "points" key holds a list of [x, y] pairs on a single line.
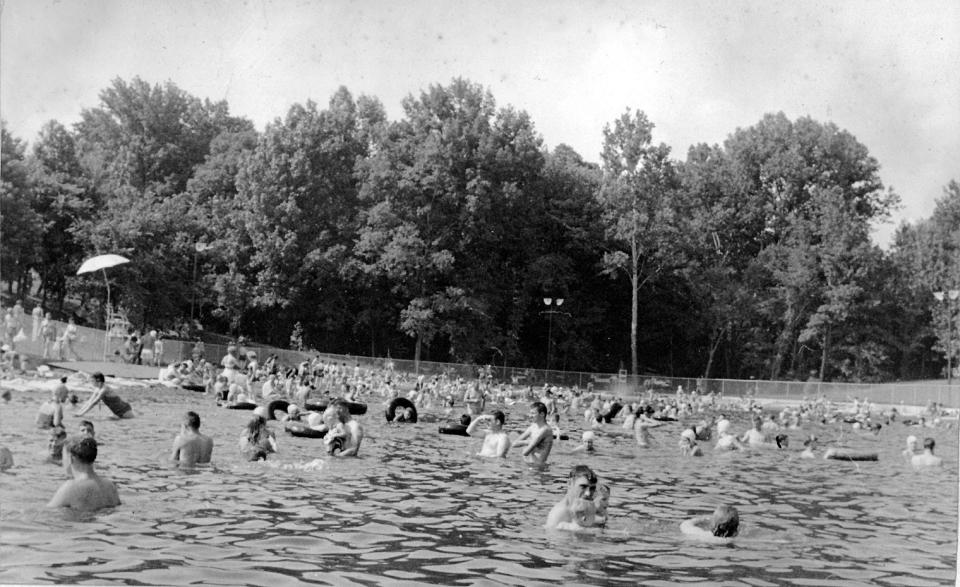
{"points": [[577, 509], [538, 437], [50, 413], [87, 491], [927, 459], [496, 441], [724, 523], [190, 446], [101, 392]]}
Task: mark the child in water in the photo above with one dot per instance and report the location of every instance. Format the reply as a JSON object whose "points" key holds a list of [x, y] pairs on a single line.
{"points": [[258, 441], [724, 523]]}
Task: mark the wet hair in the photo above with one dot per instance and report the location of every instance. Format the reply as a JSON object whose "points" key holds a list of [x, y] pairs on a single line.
{"points": [[87, 424], [929, 443], [83, 449], [782, 440], [465, 420], [726, 521], [98, 377], [540, 408], [499, 417], [583, 471], [193, 420]]}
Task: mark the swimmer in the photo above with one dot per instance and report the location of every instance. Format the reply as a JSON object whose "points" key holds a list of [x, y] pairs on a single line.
{"points": [[782, 440], [754, 436], [911, 450], [60, 445], [257, 441], [810, 444], [87, 491], [474, 399], [338, 412], [725, 440], [724, 523], [642, 425], [190, 446], [927, 459], [50, 414], [538, 437], [601, 503], [577, 509], [688, 444], [496, 442], [586, 444], [101, 392]]}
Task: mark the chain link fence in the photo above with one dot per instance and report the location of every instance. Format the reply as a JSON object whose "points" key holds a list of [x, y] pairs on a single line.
{"points": [[93, 345]]}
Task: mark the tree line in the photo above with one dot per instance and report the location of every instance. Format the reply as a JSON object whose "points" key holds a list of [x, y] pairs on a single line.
{"points": [[437, 236]]}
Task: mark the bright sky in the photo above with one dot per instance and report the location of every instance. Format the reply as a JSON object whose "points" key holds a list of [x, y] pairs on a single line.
{"points": [[885, 71]]}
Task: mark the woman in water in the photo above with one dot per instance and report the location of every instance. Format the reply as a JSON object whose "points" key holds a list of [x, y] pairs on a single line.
{"points": [[101, 392], [258, 441]]}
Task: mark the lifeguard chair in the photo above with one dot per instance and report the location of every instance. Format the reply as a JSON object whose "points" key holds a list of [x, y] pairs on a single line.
{"points": [[118, 326]]}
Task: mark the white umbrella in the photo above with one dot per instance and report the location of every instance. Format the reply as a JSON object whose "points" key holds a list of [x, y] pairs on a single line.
{"points": [[101, 263]]}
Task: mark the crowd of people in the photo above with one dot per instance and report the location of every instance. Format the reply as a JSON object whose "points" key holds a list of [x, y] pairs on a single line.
{"points": [[319, 395]]}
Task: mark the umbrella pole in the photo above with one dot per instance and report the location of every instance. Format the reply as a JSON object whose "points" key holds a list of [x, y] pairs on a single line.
{"points": [[106, 319]]}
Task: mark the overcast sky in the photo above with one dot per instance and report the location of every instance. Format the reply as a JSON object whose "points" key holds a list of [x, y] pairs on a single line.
{"points": [[885, 71]]}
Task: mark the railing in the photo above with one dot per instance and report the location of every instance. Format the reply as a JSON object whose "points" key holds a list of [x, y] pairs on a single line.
{"points": [[90, 346]]}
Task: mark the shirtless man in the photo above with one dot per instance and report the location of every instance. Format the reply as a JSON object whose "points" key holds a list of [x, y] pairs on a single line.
{"points": [[338, 413], [473, 399], [538, 437], [496, 442], [927, 459], [87, 491], [190, 446], [754, 436], [577, 508]]}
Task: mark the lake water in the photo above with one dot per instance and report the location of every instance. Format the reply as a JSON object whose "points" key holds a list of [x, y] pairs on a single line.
{"points": [[417, 507]]}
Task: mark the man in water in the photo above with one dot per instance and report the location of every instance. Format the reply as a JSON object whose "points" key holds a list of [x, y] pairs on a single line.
{"points": [[474, 399], [927, 459], [754, 436], [338, 413], [190, 446], [538, 436], [101, 392], [87, 491], [724, 523], [577, 509], [496, 442]]}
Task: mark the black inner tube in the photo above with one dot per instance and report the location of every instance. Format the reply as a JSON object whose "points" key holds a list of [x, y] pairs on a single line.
{"points": [[401, 403], [277, 404]]}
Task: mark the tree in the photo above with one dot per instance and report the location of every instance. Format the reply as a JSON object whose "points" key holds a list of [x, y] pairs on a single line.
{"points": [[639, 181], [20, 224]]}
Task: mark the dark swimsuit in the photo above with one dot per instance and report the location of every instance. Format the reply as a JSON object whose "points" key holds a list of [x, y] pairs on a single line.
{"points": [[116, 405]]}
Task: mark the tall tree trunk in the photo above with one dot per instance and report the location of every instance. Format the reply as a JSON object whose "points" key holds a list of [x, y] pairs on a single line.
{"points": [[416, 354], [634, 304], [823, 356]]}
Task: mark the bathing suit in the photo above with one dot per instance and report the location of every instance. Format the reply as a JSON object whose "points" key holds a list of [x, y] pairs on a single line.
{"points": [[116, 405]]}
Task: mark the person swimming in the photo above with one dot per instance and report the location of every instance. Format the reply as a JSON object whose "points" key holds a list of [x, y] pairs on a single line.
{"points": [[723, 524]]}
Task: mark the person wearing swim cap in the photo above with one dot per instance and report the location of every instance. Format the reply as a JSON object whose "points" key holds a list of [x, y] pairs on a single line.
{"points": [[496, 441], [911, 450], [101, 392], [586, 443], [87, 491], [688, 444], [577, 509], [723, 524], [190, 446], [538, 437]]}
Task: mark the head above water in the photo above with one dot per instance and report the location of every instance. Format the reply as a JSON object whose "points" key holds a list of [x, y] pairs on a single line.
{"points": [[499, 417], [537, 408], [929, 443], [84, 450], [98, 377], [192, 420], [725, 521]]}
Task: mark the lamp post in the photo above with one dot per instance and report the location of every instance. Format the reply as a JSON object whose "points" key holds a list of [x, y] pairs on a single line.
{"points": [[198, 248], [550, 302], [948, 297]]}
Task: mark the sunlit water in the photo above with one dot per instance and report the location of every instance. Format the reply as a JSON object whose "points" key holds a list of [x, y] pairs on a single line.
{"points": [[417, 507]]}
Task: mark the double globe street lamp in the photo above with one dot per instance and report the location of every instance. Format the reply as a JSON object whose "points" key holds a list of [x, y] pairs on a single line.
{"points": [[948, 297], [551, 303]]}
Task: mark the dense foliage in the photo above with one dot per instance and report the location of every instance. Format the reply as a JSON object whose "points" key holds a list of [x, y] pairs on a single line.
{"points": [[437, 236]]}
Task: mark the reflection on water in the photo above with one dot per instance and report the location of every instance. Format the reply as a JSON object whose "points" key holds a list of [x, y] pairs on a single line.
{"points": [[417, 507]]}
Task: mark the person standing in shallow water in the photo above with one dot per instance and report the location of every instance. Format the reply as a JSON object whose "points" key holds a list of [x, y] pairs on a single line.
{"points": [[87, 491], [190, 447], [538, 437]]}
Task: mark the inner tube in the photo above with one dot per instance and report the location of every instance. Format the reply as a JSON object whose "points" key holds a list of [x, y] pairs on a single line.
{"points": [[191, 387], [277, 404], [849, 420], [454, 429], [612, 413], [402, 403], [355, 408], [843, 455], [242, 406], [304, 431], [664, 419]]}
